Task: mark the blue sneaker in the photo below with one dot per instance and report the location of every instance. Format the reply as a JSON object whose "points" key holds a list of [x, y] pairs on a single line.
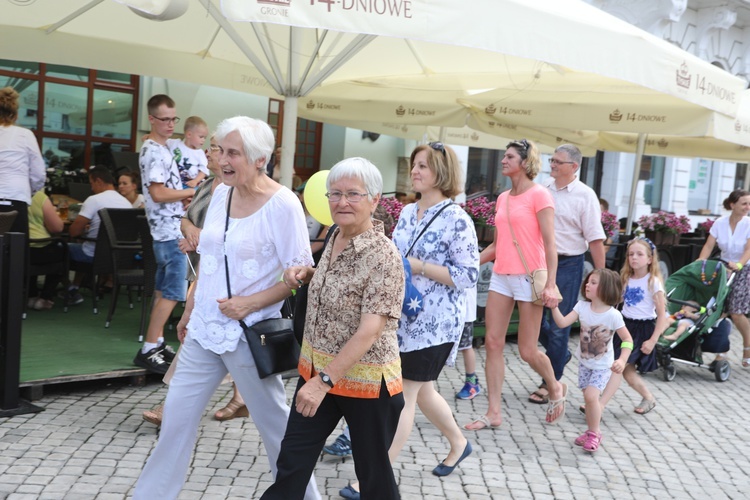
{"points": [[341, 447], [469, 391]]}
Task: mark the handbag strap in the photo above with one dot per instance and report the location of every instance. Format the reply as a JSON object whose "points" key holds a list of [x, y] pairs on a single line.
{"points": [[425, 228], [285, 306], [513, 235]]}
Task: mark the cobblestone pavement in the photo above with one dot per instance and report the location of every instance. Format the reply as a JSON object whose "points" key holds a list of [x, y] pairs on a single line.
{"points": [[91, 442]]}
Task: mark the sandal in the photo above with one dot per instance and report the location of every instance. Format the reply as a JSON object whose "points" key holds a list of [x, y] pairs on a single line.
{"points": [[484, 420], [593, 440], [553, 406], [232, 410], [746, 361], [645, 406], [154, 415], [540, 396]]}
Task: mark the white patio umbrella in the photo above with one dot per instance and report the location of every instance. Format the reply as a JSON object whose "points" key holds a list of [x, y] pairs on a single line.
{"points": [[388, 61]]}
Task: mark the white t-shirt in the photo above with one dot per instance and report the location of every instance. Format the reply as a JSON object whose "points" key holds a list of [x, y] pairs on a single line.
{"points": [[90, 209], [732, 245], [597, 330], [157, 166], [639, 300], [258, 247], [139, 202], [190, 161]]}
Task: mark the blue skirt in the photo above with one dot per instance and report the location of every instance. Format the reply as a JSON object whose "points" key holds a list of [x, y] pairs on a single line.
{"points": [[641, 330]]}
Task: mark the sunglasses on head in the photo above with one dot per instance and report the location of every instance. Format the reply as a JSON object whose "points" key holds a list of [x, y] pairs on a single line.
{"points": [[523, 145], [437, 146]]}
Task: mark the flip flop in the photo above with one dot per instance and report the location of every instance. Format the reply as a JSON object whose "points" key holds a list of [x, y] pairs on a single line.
{"points": [[486, 424], [645, 406], [543, 396], [554, 404]]}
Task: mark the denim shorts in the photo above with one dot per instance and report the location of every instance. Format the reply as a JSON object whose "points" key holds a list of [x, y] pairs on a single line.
{"points": [[515, 286], [171, 268], [76, 253]]}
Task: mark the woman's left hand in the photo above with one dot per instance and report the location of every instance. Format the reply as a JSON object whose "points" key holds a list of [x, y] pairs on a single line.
{"points": [[235, 308], [310, 396], [549, 296], [648, 346]]}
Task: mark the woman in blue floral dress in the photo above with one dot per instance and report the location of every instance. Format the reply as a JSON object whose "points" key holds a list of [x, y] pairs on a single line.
{"points": [[445, 263]]}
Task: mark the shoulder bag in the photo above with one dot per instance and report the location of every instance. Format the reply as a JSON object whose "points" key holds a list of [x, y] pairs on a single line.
{"points": [[272, 342], [413, 303], [538, 278]]}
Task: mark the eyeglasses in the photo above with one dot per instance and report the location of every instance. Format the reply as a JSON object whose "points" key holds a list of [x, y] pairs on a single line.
{"points": [[438, 146], [351, 196], [174, 120], [214, 147], [553, 161], [523, 145]]}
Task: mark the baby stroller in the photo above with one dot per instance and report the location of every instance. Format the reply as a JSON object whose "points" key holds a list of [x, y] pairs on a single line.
{"points": [[705, 283]]}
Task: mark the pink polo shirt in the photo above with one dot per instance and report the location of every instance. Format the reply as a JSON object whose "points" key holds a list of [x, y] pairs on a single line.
{"points": [[523, 213]]}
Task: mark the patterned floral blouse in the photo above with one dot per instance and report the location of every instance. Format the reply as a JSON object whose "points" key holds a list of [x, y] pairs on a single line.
{"points": [[366, 278], [450, 241]]}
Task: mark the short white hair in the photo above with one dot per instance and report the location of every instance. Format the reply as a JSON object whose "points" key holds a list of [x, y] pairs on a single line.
{"points": [[360, 169], [257, 137]]}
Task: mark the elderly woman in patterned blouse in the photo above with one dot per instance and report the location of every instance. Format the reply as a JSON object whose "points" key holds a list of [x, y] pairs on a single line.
{"points": [[349, 364]]}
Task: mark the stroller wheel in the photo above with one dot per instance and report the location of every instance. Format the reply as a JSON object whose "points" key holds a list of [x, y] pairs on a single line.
{"points": [[722, 370], [669, 372]]}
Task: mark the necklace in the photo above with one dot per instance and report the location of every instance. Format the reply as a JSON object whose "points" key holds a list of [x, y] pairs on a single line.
{"points": [[713, 276]]}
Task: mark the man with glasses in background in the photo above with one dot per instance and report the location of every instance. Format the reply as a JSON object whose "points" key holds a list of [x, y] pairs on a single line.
{"points": [[578, 227], [165, 201]]}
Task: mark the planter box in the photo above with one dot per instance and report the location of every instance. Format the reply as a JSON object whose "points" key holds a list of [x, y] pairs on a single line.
{"points": [[663, 239]]}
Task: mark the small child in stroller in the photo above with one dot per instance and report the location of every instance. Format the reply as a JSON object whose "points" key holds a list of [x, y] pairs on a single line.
{"points": [[685, 317]]}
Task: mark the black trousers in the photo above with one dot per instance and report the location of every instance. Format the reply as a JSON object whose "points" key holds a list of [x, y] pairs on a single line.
{"points": [[372, 425], [49, 254]]}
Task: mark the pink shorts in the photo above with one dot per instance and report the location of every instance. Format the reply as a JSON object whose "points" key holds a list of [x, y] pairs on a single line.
{"points": [[516, 286]]}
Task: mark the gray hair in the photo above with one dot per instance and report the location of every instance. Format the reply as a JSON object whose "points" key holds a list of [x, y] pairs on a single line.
{"points": [[572, 151], [360, 169], [257, 137]]}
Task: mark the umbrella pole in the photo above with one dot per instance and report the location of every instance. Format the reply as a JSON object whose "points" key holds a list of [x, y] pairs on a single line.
{"points": [[289, 138], [636, 175]]}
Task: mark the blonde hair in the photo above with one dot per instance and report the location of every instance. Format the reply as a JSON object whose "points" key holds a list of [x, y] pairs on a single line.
{"points": [[529, 152], [8, 106], [654, 269], [443, 162], [193, 122]]}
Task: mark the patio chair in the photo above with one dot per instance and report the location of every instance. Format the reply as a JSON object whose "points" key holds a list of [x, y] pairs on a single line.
{"points": [[6, 220], [61, 267], [124, 244]]}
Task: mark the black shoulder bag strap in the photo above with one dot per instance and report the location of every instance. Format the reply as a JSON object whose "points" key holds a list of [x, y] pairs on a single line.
{"points": [[425, 228]]}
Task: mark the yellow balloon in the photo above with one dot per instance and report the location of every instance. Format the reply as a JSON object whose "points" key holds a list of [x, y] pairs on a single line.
{"points": [[315, 198]]}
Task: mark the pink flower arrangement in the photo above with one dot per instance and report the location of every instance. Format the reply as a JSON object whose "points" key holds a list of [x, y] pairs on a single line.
{"points": [[665, 222], [706, 225], [481, 210], [392, 208], [610, 223]]}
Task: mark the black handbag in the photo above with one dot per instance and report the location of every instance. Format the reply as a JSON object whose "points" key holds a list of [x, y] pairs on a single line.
{"points": [[272, 342]]}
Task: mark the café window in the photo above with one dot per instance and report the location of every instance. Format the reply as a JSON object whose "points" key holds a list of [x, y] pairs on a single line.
{"points": [[79, 115]]}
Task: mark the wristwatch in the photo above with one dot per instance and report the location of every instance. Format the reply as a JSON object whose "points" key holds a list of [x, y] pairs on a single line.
{"points": [[326, 379]]}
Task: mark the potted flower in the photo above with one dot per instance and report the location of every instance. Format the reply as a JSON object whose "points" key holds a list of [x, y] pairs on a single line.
{"points": [[610, 224], [392, 207], [705, 227], [482, 212], [664, 228]]}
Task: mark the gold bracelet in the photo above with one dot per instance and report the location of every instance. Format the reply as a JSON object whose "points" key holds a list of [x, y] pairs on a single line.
{"points": [[424, 265]]}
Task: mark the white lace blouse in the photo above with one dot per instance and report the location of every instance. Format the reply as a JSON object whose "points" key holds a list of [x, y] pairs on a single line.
{"points": [[259, 247]]}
